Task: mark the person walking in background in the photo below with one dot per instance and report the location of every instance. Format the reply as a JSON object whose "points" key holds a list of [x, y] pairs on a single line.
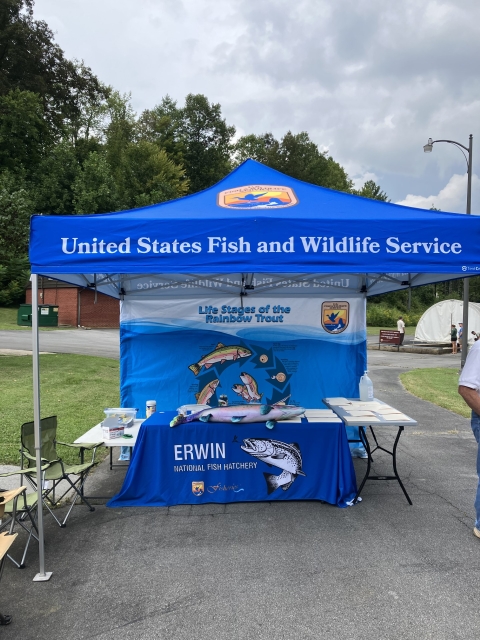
{"points": [[469, 389], [453, 338], [459, 337], [401, 328]]}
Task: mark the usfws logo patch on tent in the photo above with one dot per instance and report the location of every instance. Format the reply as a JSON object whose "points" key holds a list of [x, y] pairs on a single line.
{"points": [[257, 196], [335, 316], [198, 488]]}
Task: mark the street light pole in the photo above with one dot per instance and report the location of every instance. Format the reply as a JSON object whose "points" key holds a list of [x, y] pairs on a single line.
{"points": [[466, 282]]}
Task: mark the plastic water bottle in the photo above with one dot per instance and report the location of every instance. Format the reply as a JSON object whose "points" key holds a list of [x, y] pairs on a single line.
{"points": [[365, 388]]}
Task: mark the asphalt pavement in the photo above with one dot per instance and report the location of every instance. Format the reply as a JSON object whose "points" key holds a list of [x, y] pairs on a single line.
{"points": [[381, 569]]}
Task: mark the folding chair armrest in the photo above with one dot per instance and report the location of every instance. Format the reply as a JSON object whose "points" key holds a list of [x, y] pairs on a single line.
{"points": [[6, 496], [33, 470], [81, 445]]}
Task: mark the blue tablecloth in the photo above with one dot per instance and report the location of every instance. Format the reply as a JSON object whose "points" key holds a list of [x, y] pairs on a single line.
{"points": [[198, 462]]}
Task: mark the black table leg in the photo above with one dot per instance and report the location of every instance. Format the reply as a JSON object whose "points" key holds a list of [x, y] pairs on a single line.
{"points": [[366, 444], [393, 453]]}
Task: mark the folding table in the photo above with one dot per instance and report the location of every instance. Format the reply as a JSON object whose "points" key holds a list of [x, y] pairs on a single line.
{"points": [[95, 434], [374, 413]]}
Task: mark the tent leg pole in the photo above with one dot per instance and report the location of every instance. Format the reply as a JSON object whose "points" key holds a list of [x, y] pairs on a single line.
{"points": [[466, 300], [41, 576]]}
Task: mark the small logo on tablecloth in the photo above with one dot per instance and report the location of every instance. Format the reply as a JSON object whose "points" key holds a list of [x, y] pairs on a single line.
{"points": [[198, 488], [335, 316]]}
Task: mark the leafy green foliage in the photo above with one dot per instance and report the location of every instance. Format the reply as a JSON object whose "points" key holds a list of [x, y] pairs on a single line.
{"points": [[24, 133], [383, 315], [94, 188], [31, 61], [371, 190], [15, 209], [194, 135], [297, 156]]}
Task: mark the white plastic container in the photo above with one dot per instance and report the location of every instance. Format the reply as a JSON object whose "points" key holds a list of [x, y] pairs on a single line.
{"points": [[125, 416], [151, 408], [365, 388]]}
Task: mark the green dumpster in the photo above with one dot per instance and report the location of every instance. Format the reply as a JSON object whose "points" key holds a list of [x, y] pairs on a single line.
{"points": [[47, 315]]}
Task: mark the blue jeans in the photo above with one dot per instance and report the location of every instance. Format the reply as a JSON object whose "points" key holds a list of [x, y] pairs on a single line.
{"points": [[356, 448], [475, 422]]}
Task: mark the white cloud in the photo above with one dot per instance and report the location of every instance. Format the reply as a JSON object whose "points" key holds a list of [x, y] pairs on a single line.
{"points": [[371, 80], [453, 197]]}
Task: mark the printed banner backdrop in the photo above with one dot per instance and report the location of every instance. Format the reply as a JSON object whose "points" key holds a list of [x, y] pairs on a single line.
{"points": [[193, 350]]}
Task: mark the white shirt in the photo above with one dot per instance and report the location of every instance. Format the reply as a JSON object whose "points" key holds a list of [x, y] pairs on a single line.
{"points": [[401, 326], [470, 376]]}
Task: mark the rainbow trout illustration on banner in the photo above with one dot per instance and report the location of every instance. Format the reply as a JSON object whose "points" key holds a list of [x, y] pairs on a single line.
{"points": [[251, 386], [243, 413], [278, 454], [241, 390], [219, 355], [207, 392]]}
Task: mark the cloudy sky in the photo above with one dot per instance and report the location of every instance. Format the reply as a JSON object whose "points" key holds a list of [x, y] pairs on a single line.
{"points": [[370, 80]]}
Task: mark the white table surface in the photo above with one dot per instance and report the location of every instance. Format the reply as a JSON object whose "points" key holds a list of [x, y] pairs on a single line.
{"points": [[365, 421], [95, 434]]}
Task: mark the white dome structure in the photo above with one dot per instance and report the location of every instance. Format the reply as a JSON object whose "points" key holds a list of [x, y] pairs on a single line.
{"points": [[436, 322]]}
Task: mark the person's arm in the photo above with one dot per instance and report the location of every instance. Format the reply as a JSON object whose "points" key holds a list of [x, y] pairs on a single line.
{"points": [[471, 397]]}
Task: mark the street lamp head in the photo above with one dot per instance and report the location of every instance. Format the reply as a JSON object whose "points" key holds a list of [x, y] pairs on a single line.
{"points": [[429, 146]]}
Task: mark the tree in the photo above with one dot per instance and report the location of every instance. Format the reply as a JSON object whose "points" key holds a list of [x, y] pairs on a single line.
{"points": [[194, 135], [16, 207], [263, 148], [95, 189], [150, 176], [24, 134], [161, 125], [30, 60], [297, 156], [371, 190], [54, 178]]}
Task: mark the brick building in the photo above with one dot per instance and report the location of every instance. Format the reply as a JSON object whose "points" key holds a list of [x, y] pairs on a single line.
{"points": [[76, 305]]}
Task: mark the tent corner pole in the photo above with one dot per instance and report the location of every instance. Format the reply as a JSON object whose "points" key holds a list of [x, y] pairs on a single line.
{"points": [[42, 575]]}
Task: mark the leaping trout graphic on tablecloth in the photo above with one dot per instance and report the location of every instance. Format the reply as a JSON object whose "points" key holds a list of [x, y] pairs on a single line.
{"points": [[278, 454], [219, 355]]}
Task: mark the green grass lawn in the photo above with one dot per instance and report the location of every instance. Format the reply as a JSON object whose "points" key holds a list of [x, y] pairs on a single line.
{"points": [[75, 388], [439, 386], [375, 331], [8, 320]]}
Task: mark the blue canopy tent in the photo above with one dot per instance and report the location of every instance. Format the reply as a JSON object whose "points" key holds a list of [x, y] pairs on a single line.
{"points": [[255, 232]]}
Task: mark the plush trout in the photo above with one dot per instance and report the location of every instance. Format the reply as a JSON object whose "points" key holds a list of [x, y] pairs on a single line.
{"points": [[243, 414]]}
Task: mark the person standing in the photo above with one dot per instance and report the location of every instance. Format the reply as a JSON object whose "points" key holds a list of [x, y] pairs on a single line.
{"points": [[401, 328], [453, 338], [459, 337], [469, 389]]}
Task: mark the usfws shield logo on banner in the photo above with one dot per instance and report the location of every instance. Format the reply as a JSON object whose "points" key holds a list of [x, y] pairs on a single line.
{"points": [[198, 488], [257, 197], [335, 316]]}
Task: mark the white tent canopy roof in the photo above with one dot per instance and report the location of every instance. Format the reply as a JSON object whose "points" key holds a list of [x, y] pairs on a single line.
{"points": [[436, 322]]}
